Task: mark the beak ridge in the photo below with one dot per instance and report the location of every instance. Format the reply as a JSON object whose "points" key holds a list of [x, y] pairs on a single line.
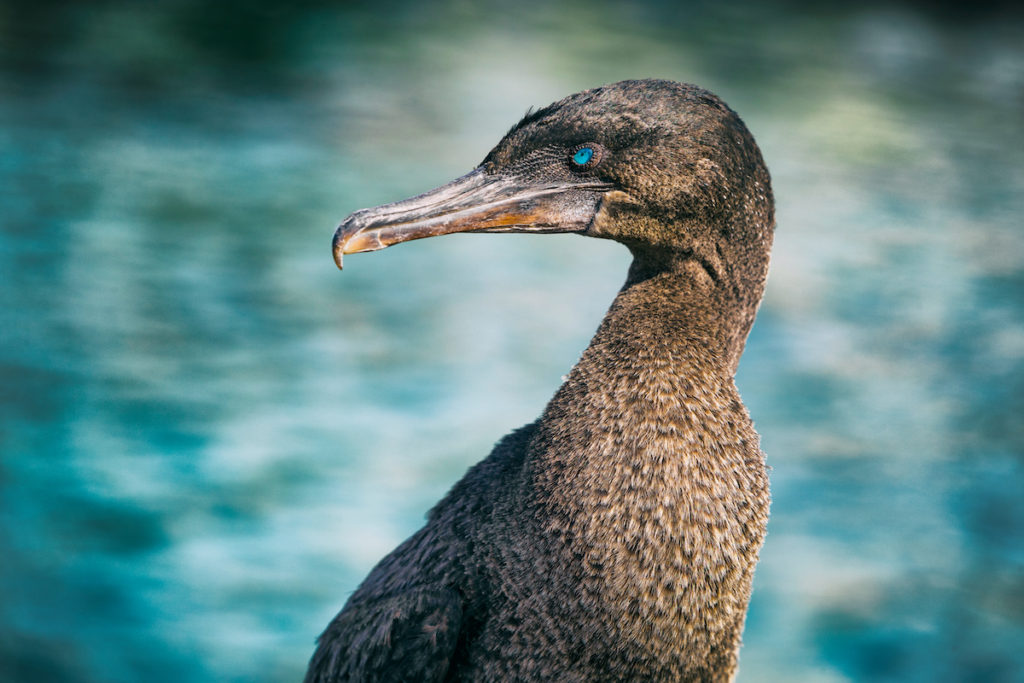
{"points": [[476, 202]]}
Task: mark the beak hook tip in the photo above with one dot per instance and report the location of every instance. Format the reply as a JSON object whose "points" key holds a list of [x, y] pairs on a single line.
{"points": [[338, 247]]}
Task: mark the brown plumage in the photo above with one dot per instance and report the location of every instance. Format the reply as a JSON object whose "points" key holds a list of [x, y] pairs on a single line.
{"points": [[615, 538]]}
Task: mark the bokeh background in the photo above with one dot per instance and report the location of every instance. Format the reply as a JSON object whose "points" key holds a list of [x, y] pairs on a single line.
{"points": [[208, 434]]}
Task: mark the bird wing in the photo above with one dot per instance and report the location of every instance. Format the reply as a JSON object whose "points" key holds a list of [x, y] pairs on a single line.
{"points": [[403, 622], [409, 636]]}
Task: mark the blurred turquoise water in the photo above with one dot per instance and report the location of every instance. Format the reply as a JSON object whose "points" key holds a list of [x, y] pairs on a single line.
{"points": [[208, 435]]}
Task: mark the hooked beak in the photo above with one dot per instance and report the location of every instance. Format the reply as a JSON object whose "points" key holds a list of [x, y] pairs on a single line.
{"points": [[476, 202]]}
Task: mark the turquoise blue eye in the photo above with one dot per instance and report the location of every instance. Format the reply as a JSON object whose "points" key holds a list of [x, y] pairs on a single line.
{"points": [[583, 155]]}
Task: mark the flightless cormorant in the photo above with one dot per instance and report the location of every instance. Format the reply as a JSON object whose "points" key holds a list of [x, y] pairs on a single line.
{"points": [[615, 538]]}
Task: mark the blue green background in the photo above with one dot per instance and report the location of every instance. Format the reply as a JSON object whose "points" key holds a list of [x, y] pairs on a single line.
{"points": [[208, 434]]}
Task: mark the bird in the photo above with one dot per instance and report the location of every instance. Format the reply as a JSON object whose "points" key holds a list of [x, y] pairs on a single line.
{"points": [[614, 538]]}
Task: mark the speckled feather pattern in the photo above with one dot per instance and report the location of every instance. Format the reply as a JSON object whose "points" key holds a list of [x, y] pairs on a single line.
{"points": [[614, 539]]}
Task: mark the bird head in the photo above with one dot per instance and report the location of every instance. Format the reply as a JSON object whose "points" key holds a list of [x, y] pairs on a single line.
{"points": [[665, 168]]}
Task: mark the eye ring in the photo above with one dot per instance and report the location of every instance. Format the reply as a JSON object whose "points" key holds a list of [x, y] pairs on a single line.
{"points": [[585, 156]]}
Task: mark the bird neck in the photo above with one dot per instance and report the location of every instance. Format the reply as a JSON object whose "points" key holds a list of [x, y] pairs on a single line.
{"points": [[645, 471], [690, 300], [659, 369]]}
